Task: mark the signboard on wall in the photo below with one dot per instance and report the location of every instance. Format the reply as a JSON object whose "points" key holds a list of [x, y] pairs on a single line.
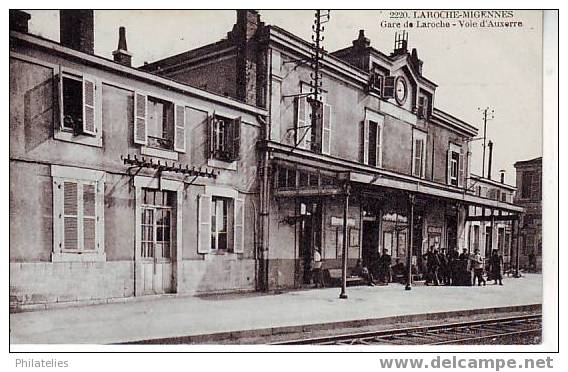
{"points": [[338, 221]]}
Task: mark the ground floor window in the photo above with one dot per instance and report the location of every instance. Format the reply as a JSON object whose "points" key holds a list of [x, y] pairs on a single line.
{"points": [[78, 213], [221, 209], [395, 231]]}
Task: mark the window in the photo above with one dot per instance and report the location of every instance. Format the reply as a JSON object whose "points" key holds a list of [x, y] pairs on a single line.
{"points": [[77, 99], [388, 86], [78, 213], [314, 135], [376, 83], [219, 224], [156, 228], [454, 168], [159, 123], [372, 140], [475, 237], [221, 221], [455, 163], [531, 187], [224, 138], [286, 177], [423, 109], [419, 154], [504, 197]]}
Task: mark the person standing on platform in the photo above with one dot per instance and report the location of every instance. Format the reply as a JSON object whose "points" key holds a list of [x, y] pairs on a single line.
{"points": [[317, 274], [496, 267], [432, 265], [385, 267], [478, 268], [444, 268]]}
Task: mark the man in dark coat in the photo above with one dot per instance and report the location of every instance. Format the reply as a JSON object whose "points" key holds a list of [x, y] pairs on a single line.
{"points": [[384, 267], [432, 265], [495, 266]]}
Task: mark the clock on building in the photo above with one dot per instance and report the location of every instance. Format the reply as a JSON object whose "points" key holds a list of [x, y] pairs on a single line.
{"points": [[401, 90]]}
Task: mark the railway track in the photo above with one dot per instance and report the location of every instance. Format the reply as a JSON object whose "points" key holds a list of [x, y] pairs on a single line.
{"points": [[472, 332]]}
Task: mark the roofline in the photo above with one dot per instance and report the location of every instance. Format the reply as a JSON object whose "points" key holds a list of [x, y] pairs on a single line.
{"points": [[492, 182], [108, 64], [442, 115], [528, 162]]}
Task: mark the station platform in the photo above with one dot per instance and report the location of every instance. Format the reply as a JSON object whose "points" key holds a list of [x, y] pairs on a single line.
{"points": [[253, 313]]}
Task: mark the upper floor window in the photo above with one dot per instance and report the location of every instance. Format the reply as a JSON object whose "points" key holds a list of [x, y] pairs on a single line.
{"points": [[419, 154], [159, 123], [530, 185], [455, 163], [313, 124], [224, 138], [78, 104], [372, 139], [79, 108], [422, 106]]}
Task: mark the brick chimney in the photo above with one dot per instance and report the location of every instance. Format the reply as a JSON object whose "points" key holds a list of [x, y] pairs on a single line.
{"points": [[362, 41], [76, 29], [121, 54], [19, 20], [415, 61], [251, 60]]}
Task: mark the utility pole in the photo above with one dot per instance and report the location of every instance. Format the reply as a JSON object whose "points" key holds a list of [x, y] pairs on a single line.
{"points": [[321, 17], [487, 115]]}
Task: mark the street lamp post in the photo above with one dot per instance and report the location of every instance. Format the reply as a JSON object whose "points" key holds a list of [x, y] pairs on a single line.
{"points": [[409, 243], [347, 191]]}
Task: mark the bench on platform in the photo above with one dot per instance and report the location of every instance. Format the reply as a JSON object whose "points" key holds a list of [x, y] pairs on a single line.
{"points": [[333, 276]]}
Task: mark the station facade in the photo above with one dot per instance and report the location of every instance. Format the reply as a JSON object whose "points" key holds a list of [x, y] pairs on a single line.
{"points": [[380, 157], [204, 172]]}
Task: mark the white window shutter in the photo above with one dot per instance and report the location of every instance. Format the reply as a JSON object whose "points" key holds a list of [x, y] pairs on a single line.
{"points": [[423, 159], [88, 125], [461, 169], [379, 155], [89, 216], [326, 135], [70, 215], [140, 118], [414, 157], [300, 119], [449, 164], [179, 128], [238, 226], [204, 224], [366, 142], [59, 81], [57, 215]]}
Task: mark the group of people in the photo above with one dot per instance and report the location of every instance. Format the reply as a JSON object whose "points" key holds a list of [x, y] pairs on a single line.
{"points": [[453, 268], [378, 272], [442, 267]]}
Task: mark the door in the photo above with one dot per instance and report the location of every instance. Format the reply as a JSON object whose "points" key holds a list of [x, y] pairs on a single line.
{"points": [[310, 238], [155, 255], [370, 251]]}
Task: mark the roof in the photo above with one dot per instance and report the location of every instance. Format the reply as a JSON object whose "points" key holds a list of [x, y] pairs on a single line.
{"points": [[110, 65], [492, 182], [533, 161]]}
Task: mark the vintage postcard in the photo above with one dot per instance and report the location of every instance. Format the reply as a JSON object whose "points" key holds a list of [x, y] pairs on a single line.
{"points": [[276, 177]]}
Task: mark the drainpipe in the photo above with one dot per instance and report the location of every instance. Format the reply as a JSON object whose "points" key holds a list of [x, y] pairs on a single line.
{"points": [[262, 273]]}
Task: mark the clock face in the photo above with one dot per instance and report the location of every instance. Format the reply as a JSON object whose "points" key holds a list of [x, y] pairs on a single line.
{"points": [[401, 90]]}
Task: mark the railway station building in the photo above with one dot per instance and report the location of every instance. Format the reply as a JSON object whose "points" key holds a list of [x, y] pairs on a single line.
{"points": [[205, 172], [380, 158]]}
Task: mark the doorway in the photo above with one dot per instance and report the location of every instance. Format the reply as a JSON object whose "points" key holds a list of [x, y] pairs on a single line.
{"points": [[310, 237], [156, 242], [370, 248]]}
